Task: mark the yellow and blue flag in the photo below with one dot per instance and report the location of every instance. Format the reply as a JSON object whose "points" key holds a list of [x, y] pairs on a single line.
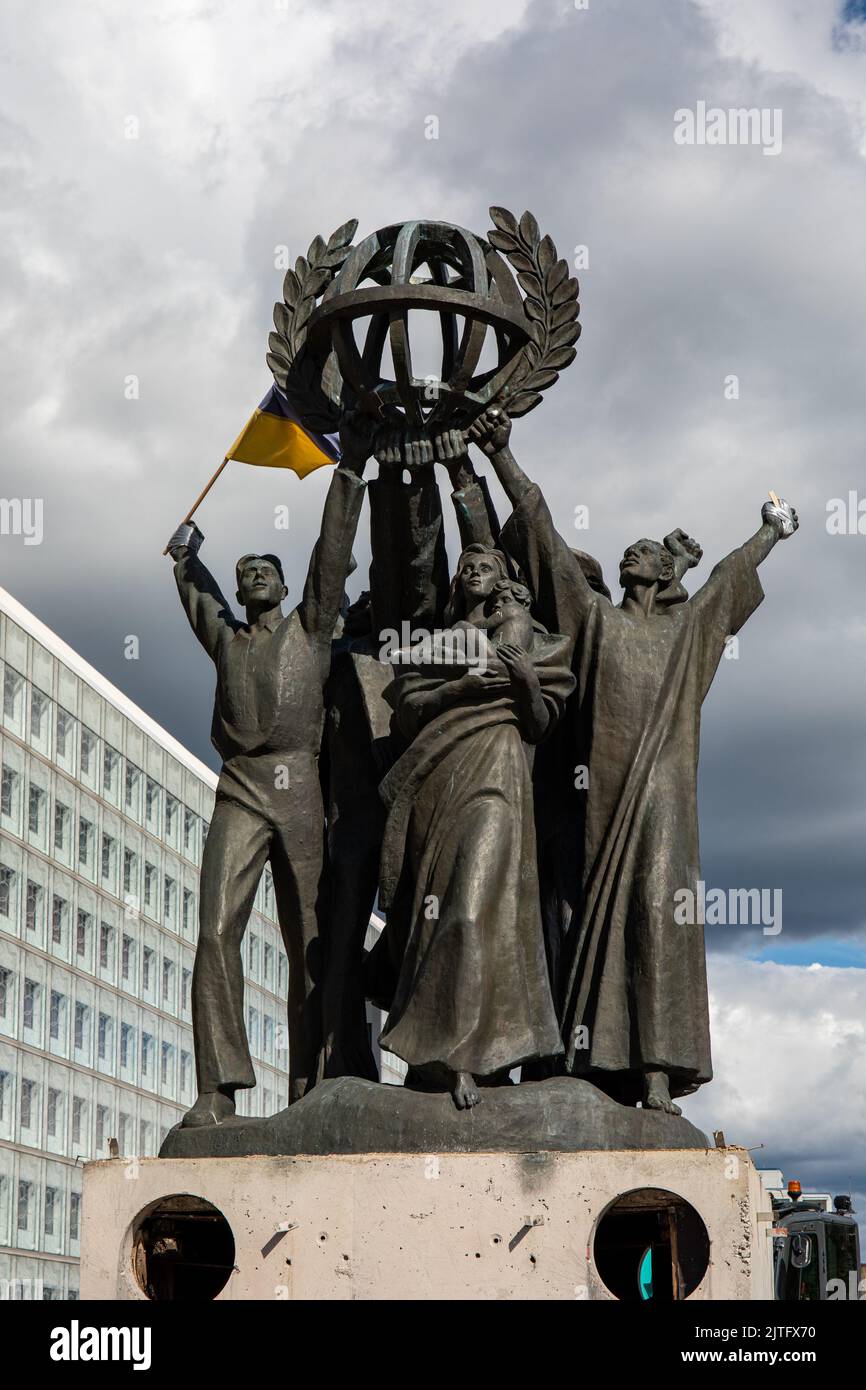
{"points": [[275, 438]]}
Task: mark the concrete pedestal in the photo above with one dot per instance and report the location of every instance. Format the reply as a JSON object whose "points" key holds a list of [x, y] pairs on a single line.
{"points": [[412, 1226]]}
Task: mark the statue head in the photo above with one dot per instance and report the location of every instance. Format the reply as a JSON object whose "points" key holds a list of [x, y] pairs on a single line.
{"points": [[646, 563], [261, 584], [507, 613], [478, 569]]}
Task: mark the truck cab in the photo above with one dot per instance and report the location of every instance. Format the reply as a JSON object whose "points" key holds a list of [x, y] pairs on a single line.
{"points": [[816, 1252]]}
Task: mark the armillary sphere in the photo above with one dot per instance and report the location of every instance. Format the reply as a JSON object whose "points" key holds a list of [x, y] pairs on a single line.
{"points": [[469, 285], [511, 286]]}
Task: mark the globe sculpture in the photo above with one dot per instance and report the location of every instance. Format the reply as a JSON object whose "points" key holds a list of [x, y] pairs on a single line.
{"points": [[511, 286]]}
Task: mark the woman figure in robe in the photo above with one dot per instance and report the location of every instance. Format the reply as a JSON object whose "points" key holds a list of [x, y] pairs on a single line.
{"points": [[471, 997]]}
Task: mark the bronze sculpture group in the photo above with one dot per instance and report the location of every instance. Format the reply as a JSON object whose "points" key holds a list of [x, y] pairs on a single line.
{"points": [[518, 791]]}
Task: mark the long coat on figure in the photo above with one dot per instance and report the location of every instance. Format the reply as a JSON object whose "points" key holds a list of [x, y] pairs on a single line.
{"points": [[635, 997]]}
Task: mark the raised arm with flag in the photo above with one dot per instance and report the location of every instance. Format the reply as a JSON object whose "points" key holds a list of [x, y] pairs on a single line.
{"points": [[268, 717], [274, 437]]}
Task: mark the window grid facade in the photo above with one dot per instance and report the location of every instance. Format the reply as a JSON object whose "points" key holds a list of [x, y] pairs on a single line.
{"points": [[101, 833]]}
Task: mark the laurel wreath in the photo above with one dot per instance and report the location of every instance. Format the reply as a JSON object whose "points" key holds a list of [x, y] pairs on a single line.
{"points": [[310, 387], [551, 306]]}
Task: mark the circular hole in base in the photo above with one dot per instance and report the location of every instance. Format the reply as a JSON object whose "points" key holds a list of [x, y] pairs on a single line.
{"points": [[183, 1250], [651, 1244]]}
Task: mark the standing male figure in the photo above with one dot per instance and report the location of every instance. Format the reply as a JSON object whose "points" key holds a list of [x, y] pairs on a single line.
{"points": [[560, 800], [634, 1005], [267, 727]]}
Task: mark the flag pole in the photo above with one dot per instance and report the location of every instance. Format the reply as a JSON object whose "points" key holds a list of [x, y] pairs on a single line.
{"points": [[202, 495]]}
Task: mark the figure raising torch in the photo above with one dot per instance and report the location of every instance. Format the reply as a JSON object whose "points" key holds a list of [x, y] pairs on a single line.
{"points": [[634, 1002]]}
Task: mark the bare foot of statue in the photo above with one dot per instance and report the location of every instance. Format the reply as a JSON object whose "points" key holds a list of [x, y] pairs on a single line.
{"points": [[211, 1108], [657, 1094], [464, 1090]]}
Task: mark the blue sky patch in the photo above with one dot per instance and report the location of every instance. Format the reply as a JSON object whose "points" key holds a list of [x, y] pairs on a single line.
{"points": [[823, 950]]}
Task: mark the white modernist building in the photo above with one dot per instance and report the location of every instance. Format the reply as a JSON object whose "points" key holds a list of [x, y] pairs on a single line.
{"points": [[102, 820]]}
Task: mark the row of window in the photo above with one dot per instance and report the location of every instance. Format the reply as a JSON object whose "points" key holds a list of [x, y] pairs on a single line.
{"points": [[108, 937], [50, 1282], [77, 842], [40, 1210], [263, 960], [118, 1046], [83, 1016], [52, 1222], [92, 1036], [57, 1118], [35, 901], [121, 870], [69, 1123], [261, 956], [81, 752]]}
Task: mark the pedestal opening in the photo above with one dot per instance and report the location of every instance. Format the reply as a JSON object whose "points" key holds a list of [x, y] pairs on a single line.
{"points": [[651, 1244], [183, 1250]]}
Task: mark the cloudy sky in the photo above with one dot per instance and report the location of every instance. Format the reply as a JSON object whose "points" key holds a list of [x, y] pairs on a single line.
{"points": [[155, 158]]}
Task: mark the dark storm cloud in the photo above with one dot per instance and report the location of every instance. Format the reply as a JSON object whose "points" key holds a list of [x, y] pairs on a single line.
{"points": [[703, 262], [156, 258]]}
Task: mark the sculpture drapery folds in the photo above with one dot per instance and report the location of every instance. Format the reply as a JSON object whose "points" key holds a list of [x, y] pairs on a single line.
{"points": [[505, 758]]}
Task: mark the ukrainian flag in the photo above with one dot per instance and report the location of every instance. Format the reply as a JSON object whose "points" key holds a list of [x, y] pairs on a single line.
{"points": [[275, 438]]}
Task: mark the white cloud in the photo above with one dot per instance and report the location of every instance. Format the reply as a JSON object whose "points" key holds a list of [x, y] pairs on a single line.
{"points": [[789, 1054], [779, 37]]}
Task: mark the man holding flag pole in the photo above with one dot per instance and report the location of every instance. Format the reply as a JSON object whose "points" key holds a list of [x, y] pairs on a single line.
{"points": [[268, 718]]}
